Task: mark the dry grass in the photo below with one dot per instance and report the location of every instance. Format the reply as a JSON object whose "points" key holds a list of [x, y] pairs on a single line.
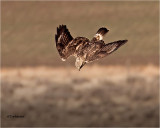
{"points": [[95, 96], [124, 94]]}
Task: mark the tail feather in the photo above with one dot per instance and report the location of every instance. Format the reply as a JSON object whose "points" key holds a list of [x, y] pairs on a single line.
{"points": [[100, 33]]}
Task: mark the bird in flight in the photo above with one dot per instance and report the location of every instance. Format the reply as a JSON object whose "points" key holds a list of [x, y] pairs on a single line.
{"points": [[82, 48]]}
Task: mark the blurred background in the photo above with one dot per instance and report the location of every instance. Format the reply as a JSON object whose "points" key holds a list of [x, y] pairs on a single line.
{"points": [[119, 90]]}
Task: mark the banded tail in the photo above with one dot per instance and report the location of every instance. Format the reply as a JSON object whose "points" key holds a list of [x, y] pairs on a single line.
{"points": [[100, 33]]}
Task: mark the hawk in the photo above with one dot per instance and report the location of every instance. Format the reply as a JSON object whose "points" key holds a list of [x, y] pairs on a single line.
{"points": [[82, 48]]}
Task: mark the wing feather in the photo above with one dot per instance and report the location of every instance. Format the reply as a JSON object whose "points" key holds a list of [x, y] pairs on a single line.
{"points": [[63, 38], [107, 49], [113, 46]]}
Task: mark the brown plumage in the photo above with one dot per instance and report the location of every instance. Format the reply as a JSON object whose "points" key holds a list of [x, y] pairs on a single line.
{"points": [[82, 48]]}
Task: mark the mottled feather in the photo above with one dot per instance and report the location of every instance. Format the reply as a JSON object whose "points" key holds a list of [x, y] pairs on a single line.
{"points": [[63, 37], [82, 48]]}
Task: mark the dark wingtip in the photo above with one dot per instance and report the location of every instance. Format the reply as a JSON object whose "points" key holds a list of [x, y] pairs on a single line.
{"points": [[60, 29], [56, 38], [125, 41]]}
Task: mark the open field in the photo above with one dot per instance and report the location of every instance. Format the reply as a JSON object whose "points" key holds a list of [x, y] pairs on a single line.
{"points": [[119, 90], [95, 96], [28, 30]]}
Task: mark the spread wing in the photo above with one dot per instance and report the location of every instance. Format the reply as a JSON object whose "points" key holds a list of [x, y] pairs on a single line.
{"points": [[63, 38], [107, 49]]}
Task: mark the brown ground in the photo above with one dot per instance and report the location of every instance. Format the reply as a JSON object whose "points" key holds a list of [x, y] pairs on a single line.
{"points": [[95, 96]]}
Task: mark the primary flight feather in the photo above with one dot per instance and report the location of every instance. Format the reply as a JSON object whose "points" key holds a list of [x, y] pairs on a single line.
{"points": [[82, 48]]}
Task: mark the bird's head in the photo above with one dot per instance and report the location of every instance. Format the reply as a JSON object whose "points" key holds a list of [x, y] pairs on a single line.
{"points": [[79, 63]]}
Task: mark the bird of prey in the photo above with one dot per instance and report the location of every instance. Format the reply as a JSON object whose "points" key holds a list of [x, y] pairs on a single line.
{"points": [[82, 48]]}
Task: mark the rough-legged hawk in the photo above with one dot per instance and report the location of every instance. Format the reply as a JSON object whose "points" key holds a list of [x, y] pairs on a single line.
{"points": [[83, 49]]}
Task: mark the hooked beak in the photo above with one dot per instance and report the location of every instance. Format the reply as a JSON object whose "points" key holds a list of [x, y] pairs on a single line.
{"points": [[82, 65]]}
